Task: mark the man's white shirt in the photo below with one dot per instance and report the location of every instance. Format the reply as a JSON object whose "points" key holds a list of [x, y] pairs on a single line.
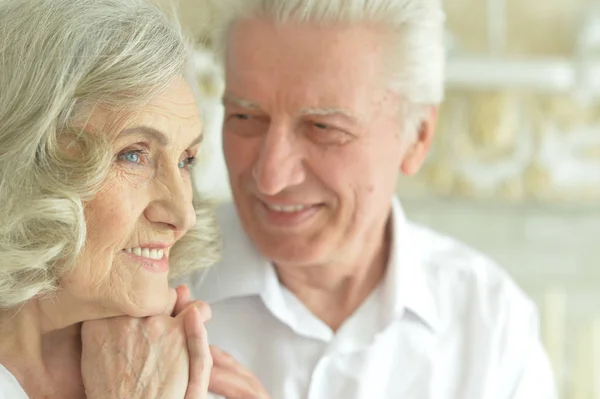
{"points": [[445, 323]]}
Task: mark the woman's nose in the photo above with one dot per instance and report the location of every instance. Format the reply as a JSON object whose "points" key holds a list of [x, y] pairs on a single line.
{"points": [[173, 205]]}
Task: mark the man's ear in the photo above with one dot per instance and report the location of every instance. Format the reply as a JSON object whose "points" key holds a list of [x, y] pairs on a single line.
{"points": [[417, 152]]}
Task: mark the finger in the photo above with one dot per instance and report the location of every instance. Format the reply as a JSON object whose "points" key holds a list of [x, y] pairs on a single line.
{"points": [[171, 303], [202, 307], [224, 360], [231, 385], [230, 375], [184, 297], [199, 355]]}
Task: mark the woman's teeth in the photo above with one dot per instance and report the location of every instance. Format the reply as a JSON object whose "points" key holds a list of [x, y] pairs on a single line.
{"points": [[155, 254], [286, 208]]}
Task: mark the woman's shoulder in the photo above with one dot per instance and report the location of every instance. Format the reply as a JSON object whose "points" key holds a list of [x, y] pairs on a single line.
{"points": [[9, 386]]}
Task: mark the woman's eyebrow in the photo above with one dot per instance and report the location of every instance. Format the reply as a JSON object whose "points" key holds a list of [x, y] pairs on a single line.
{"points": [[149, 132], [157, 135]]}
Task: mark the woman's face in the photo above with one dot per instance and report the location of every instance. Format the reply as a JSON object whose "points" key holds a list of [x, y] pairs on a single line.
{"points": [[143, 208]]}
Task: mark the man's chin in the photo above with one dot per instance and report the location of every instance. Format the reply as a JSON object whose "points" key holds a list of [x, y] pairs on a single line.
{"points": [[294, 254]]}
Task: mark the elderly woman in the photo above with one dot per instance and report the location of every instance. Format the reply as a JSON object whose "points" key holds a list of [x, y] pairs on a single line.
{"points": [[99, 128]]}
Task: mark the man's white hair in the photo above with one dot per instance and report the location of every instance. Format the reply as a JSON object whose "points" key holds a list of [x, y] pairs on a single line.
{"points": [[416, 55], [59, 60]]}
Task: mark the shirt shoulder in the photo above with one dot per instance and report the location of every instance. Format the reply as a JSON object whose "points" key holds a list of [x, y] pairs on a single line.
{"points": [[9, 386], [463, 279]]}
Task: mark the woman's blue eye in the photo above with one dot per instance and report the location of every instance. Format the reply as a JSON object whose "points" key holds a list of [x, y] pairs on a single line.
{"points": [[131, 156], [188, 162]]}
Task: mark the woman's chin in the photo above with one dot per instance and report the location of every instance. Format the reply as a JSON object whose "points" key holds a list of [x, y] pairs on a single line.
{"points": [[151, 303]]}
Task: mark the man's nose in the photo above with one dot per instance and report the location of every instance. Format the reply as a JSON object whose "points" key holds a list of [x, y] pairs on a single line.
{"points": [[279, 164]]}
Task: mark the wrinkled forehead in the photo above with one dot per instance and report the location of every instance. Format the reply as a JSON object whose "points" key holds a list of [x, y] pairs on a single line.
{"points": [[174, 113], [337, 66]]}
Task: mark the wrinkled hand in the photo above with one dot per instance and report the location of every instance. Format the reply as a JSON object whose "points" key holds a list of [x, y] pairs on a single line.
{"points": [[149, 358], [231, 380], [228, 378]]}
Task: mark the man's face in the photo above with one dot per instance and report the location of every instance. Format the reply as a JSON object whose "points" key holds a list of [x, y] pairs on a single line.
{"points": [[312, 138]]}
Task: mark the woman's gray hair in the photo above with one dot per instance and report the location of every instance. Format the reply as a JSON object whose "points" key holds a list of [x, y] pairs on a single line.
{"points": [[60, 59]]}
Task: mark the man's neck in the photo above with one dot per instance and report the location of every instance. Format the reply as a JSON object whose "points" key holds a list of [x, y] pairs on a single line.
{"points": [[333, 292]]}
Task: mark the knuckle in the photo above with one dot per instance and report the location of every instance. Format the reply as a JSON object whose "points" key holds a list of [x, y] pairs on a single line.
{"points": [[154, 327], [203, 307], [205, 367], [156, 323]]}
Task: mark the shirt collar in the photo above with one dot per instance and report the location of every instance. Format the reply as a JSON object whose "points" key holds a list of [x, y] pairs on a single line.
{"points": [[406, 286], [243, 271]]}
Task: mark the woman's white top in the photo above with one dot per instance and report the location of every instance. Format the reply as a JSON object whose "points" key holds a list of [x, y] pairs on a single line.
{"points": [[9, 386]]}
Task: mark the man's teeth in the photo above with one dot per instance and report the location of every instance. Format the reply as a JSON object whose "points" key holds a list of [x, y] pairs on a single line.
{"points": [[155, 254], [287, 208]]}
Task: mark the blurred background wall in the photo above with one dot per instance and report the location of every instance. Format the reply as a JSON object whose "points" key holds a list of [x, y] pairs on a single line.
{"points": [[515, 170]]}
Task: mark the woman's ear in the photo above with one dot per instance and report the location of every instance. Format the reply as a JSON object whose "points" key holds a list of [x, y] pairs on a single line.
{"points": [[417, 152]]}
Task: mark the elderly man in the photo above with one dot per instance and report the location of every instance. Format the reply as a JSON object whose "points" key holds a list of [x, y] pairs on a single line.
{"points": [[325, 289]]}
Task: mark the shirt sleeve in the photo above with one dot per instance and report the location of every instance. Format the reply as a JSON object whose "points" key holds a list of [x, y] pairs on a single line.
{"points": [[537, 379], [526, 364]]}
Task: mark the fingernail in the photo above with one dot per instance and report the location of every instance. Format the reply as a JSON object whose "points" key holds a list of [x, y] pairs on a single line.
{"points": [[204, 310]]}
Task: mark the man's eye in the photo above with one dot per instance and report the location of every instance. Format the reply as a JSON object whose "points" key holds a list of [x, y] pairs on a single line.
{"points": [[241, 116], [323, 126]]}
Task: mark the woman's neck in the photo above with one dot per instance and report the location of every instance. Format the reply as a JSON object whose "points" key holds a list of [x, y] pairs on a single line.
{"points": [[45, 360]]}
